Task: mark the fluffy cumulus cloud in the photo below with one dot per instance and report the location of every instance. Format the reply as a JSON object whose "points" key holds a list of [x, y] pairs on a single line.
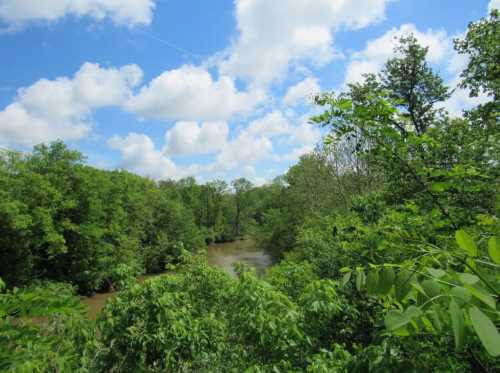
{"points": [[190, 93], [494, 4], [271, 125], [16, 13], [273, 34], [187, 138], [250, 173], [302, 91], [377, 51], [254, 143], [244, 150], [303, 138], [61, 108], [296, 153], [139, 155]]}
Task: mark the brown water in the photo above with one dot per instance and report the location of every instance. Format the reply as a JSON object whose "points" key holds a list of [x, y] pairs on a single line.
{"points": [[96, 302], [225, 255], [222, 255]]}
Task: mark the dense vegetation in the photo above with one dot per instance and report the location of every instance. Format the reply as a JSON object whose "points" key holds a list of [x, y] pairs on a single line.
{"points": [[386, 240], [62, 220]]}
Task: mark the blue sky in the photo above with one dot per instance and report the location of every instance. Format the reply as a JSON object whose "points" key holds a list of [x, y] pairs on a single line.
{"points": [[214, 89]]}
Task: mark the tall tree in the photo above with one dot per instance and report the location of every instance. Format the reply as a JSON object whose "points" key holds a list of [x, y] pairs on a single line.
{"points": [[241, 188]]}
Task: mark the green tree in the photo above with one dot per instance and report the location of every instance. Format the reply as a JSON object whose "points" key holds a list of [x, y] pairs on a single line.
{"points": [[241, 188]]}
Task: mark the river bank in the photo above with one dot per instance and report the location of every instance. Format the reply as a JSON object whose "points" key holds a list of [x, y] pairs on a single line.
{"points": [[221, 255]]}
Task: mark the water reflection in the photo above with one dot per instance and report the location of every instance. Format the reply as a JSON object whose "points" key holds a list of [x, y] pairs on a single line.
{"points": [[225, 255]]}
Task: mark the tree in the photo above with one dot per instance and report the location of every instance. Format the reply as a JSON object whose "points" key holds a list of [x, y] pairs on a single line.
{"points": [[241, 188], [413, 88]]}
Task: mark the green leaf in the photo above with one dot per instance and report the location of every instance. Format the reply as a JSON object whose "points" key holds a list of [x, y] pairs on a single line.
{"points": [[468, 278], [360, 280], [457, 323], [413, 312], [346, 278], [482, 295], [436, 319], [345, 104], [372, 282], [438, 273], [419, 288], [395, 320], [386, 280], [486, 331], [462, 295], [403, 284], [440, 186], [494, 249], [431, 288], [466, 243]]}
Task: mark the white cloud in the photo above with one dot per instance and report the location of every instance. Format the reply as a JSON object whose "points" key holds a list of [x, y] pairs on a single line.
{"points": [[250, 173], [16, 13], [273, 34], [301, 91], [378, 51], [190, 94], [190, 138], [296, 153], [139, 155], [272, 124], [305, 134], [254, 143], [250, 146], [304, 137], [244, 150], [494, 4], [460, 100], [61, 108]]}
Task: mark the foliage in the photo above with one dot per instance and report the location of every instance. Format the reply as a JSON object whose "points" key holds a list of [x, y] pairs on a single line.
{"points": [[65, 221], [386, 239], [42, 329], [439, 180]]}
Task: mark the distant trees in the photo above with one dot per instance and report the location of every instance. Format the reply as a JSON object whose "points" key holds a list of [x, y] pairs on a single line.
{"points": [[63, 220]]}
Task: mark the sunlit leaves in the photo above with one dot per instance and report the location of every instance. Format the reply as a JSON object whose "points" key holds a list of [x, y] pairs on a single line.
{"points": [[468, 278], [466, 243], [482, 295], [395, 320], [461, 295], [486, 331], [494, 249], [457, 322]]}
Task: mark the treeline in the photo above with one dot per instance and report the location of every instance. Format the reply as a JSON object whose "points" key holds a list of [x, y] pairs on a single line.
{"points": [[387, 238], [64, 221]]}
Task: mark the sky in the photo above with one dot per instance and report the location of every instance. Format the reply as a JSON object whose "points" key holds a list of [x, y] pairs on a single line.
{"points": [[213, 89]]}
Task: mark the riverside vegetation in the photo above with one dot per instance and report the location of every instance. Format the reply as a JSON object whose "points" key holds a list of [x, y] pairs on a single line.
{"points": [[385, 241]]}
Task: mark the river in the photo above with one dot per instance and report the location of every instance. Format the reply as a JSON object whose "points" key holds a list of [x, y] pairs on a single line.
{"points": [[221, 255], [225, 255]]}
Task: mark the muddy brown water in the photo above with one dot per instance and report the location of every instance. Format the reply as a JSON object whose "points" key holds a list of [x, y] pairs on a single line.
{"points": [[221, 255]]}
